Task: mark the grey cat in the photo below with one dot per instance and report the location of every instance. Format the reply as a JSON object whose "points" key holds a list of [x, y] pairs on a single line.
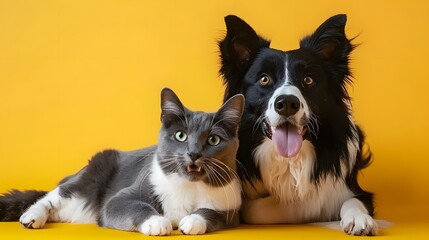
{"points": [[188, 181]]}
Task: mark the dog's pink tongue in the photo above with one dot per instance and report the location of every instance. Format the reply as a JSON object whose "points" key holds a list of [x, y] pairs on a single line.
{"points": [[287, 140]]}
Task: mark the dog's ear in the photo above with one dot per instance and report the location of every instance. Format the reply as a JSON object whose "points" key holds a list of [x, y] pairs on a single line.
{"points": [[329, 40], [237, 51], [171, 107]]}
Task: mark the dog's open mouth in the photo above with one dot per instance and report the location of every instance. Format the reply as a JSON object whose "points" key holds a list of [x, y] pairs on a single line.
{"points": [[287, 138]]}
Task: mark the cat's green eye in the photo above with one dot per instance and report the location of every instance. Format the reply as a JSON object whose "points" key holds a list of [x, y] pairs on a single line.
{"points": [[180, 136], [213, 140]]}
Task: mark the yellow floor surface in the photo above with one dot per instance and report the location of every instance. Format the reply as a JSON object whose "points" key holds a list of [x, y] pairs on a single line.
{"points": [[405, 230]]}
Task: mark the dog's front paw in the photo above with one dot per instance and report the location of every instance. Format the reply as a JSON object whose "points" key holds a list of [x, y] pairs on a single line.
{"points": [[359, 225], [34, 217], [156, 226], [193, 224]]}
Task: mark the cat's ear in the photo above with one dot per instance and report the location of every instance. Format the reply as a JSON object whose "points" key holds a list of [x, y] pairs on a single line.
{"points": [[172, 109], [230, 112]]}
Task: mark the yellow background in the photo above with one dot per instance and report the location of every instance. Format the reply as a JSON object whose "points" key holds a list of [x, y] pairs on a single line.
{"points": [[80, 76]]}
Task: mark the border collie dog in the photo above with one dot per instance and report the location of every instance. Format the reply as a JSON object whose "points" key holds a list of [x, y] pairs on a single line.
{"points": [[300, 149]]}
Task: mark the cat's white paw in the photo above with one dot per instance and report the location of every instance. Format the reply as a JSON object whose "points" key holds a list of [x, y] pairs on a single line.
{"points": [[359, 225], [35, 217], [156, 226], [193, 224]]}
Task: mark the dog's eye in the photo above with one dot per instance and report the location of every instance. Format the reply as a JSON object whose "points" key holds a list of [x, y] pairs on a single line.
{"points": [[264, 80], [307, 82], [180, 136]]}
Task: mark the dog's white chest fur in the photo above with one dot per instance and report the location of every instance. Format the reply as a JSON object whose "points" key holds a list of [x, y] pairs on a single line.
{"points": [[289, 184], [180, 197]]}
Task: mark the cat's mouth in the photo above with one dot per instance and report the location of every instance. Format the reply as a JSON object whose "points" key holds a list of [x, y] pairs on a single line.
{"points": [[193, 168]]}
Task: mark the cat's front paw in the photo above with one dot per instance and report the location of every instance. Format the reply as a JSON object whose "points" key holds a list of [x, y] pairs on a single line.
{"points": [[359, 225], [34, 217], [156, 226], [193, 224]]}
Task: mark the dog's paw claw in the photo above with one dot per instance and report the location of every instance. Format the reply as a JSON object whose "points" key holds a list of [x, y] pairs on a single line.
{"points": [[359, 225]]}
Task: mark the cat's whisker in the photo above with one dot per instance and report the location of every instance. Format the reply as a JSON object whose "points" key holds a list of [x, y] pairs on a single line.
{"points": [[154, 153], [168, 164], [212, 179], [226, 195], [215, 168], [169, 159], [220, 164], [243, 169], [230, 173], [216, 174], [230, 170], [162, 157], [258, 123], [175, 168], [227, 173], [313, 124], [142, 176]]}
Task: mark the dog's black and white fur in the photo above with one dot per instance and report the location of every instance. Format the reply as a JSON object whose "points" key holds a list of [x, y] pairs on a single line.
{"points": [[300, 149]]}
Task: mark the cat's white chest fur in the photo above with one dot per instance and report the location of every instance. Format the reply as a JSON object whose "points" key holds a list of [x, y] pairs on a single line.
{"points": [[180, 197]]}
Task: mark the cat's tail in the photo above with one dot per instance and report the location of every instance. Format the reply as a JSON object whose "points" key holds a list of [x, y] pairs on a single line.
{"points": [[14, 203]]}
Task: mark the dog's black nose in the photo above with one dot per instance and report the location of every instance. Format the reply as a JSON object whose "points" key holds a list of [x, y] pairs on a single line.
{"points": [[286, 105]]}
